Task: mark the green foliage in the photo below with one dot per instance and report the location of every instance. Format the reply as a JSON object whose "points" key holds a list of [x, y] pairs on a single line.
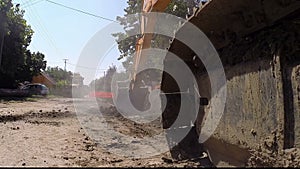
{"points": [[62, 83], [77, 79], [178, 8], [104, 83], [17, 62], [5, 6], [32, 66], [62, 77], [126, 43]]}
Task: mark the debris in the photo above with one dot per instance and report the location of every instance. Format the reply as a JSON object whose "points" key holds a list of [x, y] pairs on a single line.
{"points": [[167, 160]]}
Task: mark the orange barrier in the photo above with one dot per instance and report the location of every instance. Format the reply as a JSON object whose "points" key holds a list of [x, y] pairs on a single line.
{"points": [[104, 95]]}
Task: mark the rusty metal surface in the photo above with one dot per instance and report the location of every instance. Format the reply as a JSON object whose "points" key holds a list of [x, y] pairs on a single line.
{"points": [[223, 21], [226, 21]]}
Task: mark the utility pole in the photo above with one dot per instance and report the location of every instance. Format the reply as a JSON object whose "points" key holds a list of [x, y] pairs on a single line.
{"points": [[104, 87], [65, 64]]}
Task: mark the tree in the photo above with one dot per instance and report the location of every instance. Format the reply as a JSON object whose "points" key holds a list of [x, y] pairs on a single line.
{"points": [[104, 83], [17, 62], [5, 6], [62, 77], [126, 43], [77, 79], [32, 66]]}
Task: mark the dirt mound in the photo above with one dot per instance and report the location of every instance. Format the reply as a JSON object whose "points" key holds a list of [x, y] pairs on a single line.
{"points": [[128, 127], [269, 155], [288, 158]]}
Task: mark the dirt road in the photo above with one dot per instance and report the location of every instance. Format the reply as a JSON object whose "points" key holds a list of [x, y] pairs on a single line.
{"points": [[47, 132]]}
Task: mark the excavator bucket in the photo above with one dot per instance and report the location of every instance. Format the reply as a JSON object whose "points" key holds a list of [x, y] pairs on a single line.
{"points": [[223, 22]]}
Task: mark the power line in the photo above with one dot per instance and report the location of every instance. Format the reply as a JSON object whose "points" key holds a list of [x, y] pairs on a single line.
{"points": [[90, 68], [47, 32], [53, 62], [33, 15], [87, 13], [27, 4], [85, 67]]}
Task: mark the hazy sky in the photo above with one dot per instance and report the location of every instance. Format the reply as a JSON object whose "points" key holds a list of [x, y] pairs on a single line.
{"points": [[62, 33]]}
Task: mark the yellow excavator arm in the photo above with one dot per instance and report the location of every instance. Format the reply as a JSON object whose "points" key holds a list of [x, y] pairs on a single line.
{"points": [[147, 25], [155, 5]]}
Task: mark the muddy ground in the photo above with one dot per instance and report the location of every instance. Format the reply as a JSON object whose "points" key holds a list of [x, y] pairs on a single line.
{"points": [[48, 132]]}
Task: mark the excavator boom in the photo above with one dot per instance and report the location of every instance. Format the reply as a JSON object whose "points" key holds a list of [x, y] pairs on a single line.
{"points": [[147, 25]]}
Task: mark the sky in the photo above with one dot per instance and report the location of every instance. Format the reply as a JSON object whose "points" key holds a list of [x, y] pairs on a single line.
{"points": [[62, 33]]}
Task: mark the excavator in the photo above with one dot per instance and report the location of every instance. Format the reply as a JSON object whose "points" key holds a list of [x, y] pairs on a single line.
{"points": [[223, 22]]}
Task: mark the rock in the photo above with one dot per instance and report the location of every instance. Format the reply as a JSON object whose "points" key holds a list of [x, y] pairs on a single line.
{"points": [[290, 150], [15, 128], [65, 158], [253, 132], [167, 160], [268, 142], [135, 141], [116, 161]]}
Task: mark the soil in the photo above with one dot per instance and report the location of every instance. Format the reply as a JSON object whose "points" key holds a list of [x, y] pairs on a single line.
{"points": [[47, 132]]}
